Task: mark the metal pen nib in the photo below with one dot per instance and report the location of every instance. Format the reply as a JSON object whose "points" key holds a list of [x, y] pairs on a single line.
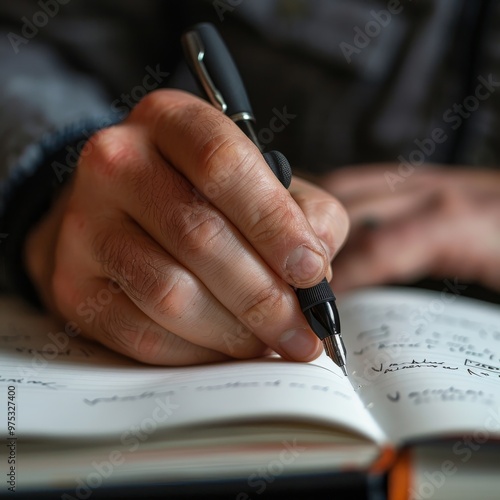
{"points": [[318, 305], [334, 347]]}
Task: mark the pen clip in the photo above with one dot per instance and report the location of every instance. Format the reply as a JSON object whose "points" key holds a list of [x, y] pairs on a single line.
{"points": [[195, 51]]}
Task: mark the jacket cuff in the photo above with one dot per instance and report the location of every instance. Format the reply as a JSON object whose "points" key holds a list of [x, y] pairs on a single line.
{"points": [[27, 194]]}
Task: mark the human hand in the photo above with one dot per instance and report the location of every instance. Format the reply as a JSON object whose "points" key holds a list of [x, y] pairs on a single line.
{"points": [[440, 222], [175, 244]]}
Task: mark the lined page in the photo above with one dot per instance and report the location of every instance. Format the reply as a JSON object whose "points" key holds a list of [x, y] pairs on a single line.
{"points": [[424, 363], [70, 387]]}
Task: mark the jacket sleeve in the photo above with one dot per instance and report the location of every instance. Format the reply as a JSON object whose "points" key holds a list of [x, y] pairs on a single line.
{"points": [[48, 109], [68, 68]]}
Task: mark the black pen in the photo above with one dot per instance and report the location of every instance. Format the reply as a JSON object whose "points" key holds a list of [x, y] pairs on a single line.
{"points": [[212, 65]]}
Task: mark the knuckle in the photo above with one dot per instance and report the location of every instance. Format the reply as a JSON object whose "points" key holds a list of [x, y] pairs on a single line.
{"points": [[105, 153], [145, 341], [137, 270], [151, 282], [266, 304], [269, 218], [224, 162], [199, 230], [116, 327], [241, 343], [150, 101], [142, 340], [154, 186], [155, 103], [174, 296], [110, 252], [204, 121]]}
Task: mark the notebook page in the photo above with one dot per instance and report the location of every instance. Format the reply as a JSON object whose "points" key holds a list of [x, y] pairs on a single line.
{"points": [[68, 386], [424, 363]]}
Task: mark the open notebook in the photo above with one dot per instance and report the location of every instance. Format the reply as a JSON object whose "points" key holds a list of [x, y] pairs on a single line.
{"points": [[423, 388]]}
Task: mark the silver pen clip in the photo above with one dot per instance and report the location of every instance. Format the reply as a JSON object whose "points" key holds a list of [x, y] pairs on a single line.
{"points": [[196, 52]]}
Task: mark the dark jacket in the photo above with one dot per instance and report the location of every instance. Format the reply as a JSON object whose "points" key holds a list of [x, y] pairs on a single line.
{"points": [[332, 82]]}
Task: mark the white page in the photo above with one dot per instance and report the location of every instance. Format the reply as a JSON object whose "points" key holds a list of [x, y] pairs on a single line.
{"points": [[83, 389], [424, 362]]}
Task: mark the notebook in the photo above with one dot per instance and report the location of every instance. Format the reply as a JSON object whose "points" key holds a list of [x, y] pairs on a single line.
{"points": [[420, 407]]}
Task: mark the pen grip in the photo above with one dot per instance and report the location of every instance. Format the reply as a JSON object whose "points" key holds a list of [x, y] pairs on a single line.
{"points": [[279, 165], [309, 297]]}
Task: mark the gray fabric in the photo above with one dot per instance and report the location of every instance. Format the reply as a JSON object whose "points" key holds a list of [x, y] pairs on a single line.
{"points": [[39, 95], [394, 90], [347, 81]]}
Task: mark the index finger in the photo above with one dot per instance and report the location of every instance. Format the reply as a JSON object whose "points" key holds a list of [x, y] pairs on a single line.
{"points": [[227, 169]]}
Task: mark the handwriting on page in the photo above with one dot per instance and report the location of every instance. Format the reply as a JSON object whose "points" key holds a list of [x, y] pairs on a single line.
{"points": [[445, 394], [408, 365], [403, 359], [394, 344], [386, 339], [49, 384], [216, 387]]}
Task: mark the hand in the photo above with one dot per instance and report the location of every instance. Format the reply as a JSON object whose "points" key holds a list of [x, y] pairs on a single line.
{"points": [[437, 222], [175, 244]]}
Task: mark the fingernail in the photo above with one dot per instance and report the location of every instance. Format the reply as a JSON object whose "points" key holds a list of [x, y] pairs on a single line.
{"points": [[304, 265], [298, 343]]}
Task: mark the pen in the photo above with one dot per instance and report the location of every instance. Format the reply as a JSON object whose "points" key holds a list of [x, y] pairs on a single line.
{"points": [[213, 67]]}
